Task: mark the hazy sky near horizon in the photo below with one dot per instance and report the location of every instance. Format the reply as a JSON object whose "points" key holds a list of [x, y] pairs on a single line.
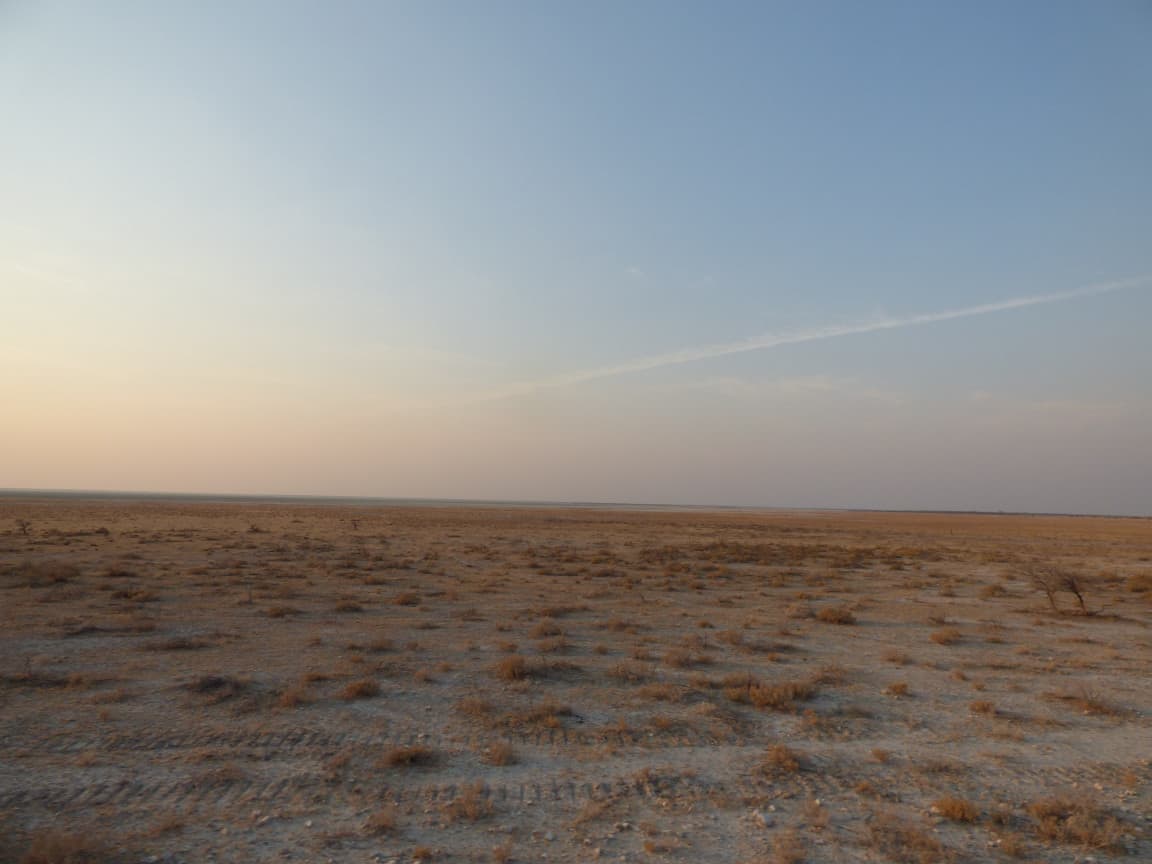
{"points": [[892, 254]]}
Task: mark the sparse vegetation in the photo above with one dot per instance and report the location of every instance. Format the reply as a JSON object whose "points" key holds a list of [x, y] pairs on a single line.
{"points": [[556, 672]]}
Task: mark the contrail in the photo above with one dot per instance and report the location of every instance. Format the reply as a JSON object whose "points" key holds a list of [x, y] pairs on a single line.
{"points": [[794, 337]]}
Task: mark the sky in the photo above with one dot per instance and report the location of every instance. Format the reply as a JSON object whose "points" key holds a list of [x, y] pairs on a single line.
{"points": [[889, 255]]}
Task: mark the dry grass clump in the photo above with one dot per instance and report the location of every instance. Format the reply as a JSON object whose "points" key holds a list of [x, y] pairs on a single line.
{"points": [[294, 696], [678, 658], [176, 643], [546, 714], [59, 847], [499, 754], [902, 841], [787, 848], [555, 645], [946, 636], [475, 707], [836, 615], [282, 611], [406, 757], [1139, 583], [956, 809], [781, 759], [382, 822], [630, 672], [512, 668], [660, 692], [365, 688], [218, 688], [1087, 701], [776, 696], [38, 574], [1077, 822], [471, 805], [545, 628]]}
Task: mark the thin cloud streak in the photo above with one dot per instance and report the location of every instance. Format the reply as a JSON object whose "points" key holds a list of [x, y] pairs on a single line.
{"points": [[795, 337]]}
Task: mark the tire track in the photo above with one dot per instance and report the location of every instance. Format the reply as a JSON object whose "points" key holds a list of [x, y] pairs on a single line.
{"points": [[821, 780], [315, 739]]}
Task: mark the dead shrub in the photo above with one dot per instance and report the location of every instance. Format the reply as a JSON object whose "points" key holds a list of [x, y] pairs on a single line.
{"points": [[1052, 579]]}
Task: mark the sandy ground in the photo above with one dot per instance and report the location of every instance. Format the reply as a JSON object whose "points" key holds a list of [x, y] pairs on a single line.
{"points": [[187, 682]]}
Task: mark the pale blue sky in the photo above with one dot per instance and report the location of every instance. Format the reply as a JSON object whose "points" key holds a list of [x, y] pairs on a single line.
{"points": [[342, 248]]}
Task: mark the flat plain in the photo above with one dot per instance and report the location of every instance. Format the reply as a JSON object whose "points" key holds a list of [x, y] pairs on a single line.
{"points": [[186, 681]]}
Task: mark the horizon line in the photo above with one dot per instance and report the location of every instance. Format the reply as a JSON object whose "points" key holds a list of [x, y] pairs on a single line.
{"points": [[401, 501]]}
